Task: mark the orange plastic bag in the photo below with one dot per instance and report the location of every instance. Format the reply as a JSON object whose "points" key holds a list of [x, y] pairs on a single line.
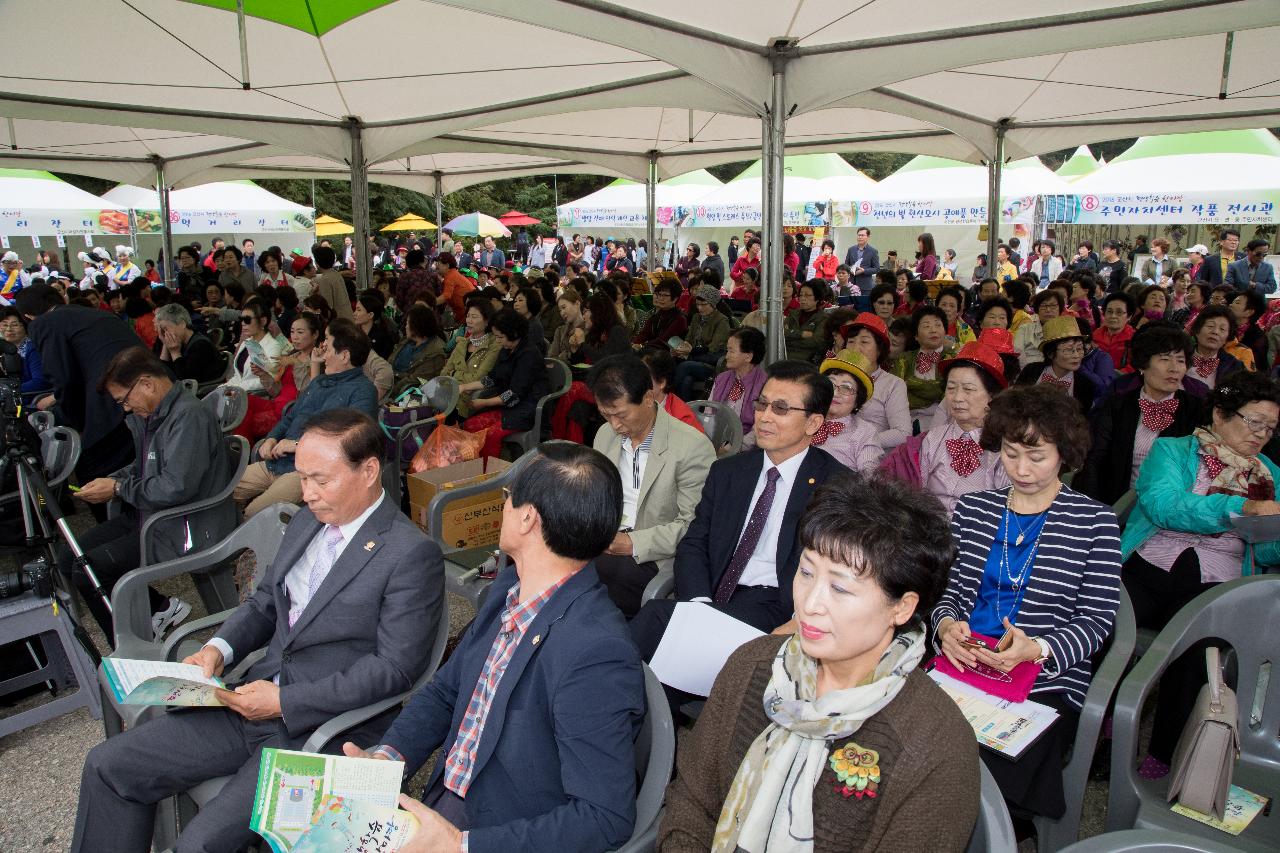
{"points": [[445, 446]]}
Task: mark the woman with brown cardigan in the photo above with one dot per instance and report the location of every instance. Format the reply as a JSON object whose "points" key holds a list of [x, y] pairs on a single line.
{"points": [[833, 739]]}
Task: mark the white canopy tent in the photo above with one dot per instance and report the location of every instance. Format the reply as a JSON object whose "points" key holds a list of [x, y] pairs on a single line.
{"points": [[233, 210], [621, 209], [966, 77], [39, 207]]}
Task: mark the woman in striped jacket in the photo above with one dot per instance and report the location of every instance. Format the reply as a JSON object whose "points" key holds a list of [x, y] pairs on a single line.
{"points": [[1040, 562]]}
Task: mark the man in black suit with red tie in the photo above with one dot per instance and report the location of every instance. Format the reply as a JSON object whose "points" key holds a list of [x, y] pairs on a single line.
{"points": [[740, 552]]}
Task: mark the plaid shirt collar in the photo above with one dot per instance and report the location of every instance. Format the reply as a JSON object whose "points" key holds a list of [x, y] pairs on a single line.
{"points": [[516, 617]]}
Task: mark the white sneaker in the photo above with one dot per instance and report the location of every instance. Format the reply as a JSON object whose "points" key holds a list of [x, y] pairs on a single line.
{"points": [[172, 615]]}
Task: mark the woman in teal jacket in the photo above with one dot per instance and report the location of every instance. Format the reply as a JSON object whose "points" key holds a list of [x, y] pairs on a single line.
{"points": [[1179, 541]]}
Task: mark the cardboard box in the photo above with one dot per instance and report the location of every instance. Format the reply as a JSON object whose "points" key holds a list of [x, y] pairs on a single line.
{"points": [[470, 522]]}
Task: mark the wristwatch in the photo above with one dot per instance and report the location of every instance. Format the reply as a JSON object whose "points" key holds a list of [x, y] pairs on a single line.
{"points": [[1045, 651]]}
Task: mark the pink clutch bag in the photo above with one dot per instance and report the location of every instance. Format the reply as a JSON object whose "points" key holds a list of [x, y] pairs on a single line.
{"points": [[1014, 685]]}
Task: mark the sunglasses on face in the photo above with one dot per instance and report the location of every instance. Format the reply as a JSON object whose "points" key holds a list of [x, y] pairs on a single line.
{"points": [[246, 319], [781, 408]]}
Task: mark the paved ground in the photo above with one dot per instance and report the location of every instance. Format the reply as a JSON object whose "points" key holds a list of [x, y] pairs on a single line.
{"points": [[40, 766]]}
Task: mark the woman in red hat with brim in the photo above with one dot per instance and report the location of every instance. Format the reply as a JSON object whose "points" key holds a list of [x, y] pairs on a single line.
{"points": [[947, 461]]}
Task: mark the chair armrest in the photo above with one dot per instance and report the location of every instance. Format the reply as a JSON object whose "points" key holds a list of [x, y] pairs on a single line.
{"points": [[644, 842], [191, 627], [242, 462], [661, 586], [348, 720], [428, 424]]}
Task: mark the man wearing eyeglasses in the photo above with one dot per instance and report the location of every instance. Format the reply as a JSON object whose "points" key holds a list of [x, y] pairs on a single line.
{"points": [[740, 552], [180, 458]]}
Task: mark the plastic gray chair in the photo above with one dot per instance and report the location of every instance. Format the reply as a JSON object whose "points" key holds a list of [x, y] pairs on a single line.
{"points": [[205, 387], [560, 378], [441, 394], [1054, 835], [993, 832], [721, 424], [1123, 507], [464, 580], [41, 420], [132, 609], [229, 404], [172, 814], [59, 451], [1242, 614], [655, 759], [1148, 841]]}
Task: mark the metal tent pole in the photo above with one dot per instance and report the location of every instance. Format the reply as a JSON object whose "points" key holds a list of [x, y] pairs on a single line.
{"points": [[439, 178], [775, 130], [360, 206], [995, 169], [166, 225], [651, 212]]}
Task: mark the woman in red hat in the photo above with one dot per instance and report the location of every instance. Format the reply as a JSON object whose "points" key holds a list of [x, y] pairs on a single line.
{"points": [[947, 461], [887, 410]]}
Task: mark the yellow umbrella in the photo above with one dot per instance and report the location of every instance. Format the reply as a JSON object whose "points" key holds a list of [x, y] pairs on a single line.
{"points": [[410, 222], [327, 226]]}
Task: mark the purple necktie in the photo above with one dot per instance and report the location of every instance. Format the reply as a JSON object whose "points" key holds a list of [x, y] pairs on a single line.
{"points": [[750, 538]]}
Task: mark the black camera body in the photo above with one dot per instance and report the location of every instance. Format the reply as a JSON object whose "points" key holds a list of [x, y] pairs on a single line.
{"points": [[10, 381], [36, 575]]}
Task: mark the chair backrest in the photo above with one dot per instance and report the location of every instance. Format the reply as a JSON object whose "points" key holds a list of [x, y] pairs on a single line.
{"points": [[190, 384], [1238, 613], [721, 424], [559, 376], [238, 448], [1148, 841], [41, 420], [215, 336], [655, 753], [59, 451], [229, 404], [1123, 507], [993, 833], [442, 393]]}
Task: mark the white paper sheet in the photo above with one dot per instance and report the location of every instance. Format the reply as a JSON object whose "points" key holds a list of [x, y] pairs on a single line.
{"points": [[698, 641], [1003, 726], [1257, 528]]}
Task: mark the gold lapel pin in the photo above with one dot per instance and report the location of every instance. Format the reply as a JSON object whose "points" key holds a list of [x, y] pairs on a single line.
{"points": [[537, 638], [368, 546], [811, 481]]}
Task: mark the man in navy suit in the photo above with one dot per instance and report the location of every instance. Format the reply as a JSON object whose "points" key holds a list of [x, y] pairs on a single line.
{"points": [[740, 553], [863, 261], [537, 711]]}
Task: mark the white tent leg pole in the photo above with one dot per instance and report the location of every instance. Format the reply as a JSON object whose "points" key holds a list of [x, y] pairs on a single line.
{"points": [[360, 207], [995, 170], [439, 210], [166, 227], [651, 212], [775, 129]]}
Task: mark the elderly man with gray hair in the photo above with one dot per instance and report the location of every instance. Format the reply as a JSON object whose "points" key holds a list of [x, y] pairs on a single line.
{"points": [[186, 353]]}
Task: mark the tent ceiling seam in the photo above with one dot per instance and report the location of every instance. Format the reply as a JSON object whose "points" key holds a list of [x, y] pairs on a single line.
{"points": [[1158, 7], [1042, 81], [1039, 84], [178, 39], [855, 10], [477, 71]]}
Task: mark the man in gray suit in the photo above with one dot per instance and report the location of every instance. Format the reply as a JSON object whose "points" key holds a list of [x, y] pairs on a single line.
{"points": [[663, 463], [346, 615], [863, 261]]}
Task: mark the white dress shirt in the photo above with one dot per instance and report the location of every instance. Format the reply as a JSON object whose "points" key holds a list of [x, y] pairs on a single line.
{"points": [[297, 581], [632, 466], [762, 568]]}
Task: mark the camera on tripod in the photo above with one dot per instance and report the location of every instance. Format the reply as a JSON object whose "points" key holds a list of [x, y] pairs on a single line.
{"points": [[36, 575], [10, 381]]}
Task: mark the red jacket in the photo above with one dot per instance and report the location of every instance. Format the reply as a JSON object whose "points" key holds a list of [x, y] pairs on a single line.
{"points": [[824, 267], [1114, 345]]}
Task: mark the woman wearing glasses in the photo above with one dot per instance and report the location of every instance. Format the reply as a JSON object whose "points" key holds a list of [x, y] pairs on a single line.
{"points": [[13, 328], [254, 368], [1039, 562], [1063, 348], [1179, 541]]}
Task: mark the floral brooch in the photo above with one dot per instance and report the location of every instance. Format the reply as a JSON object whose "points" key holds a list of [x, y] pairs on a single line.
{"points": [[857, 769]]}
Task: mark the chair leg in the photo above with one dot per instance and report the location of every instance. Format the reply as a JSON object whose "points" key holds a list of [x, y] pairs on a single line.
{"points": [[86, 672]]}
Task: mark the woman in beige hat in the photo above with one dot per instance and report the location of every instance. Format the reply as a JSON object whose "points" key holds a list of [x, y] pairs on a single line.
{"points": [[1064, 350]]}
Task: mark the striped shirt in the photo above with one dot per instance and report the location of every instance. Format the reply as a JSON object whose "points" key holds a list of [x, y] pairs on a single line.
{"points": [[1071, 597], [515, 621]]}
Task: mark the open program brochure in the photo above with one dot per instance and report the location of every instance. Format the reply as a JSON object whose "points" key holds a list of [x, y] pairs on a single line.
{"points": [[292, 787], [154, 682], [1242, 807], [1003, 726], [343, 825]]}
